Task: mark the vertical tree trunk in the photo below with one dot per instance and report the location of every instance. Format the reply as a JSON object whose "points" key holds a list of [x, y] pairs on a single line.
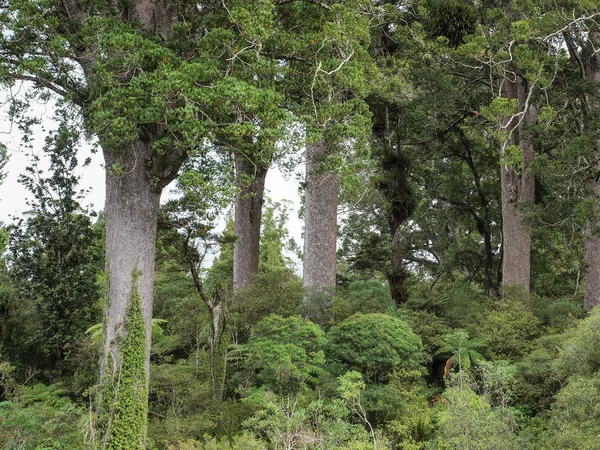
{"points": [[491, 288], [131, 220], [397, 275], [517, 187], [320, 222], [247, 220], [591, 242], [132, 203]]}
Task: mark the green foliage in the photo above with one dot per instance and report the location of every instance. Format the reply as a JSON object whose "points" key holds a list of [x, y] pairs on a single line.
{"points": [[575, 416], [242, 442], [466, 420], [413, 423], [418, 85], [428, 327], [3, 160], [284, 354], [540, 379], [375, 345], [129, 403], [459, 304], [181, 402], [466, 350], [320, 424], [509, 329], [368, 296], [580, 354], [275, 239], [55, 259], [276, 292], [43, 417], [498, 382]]}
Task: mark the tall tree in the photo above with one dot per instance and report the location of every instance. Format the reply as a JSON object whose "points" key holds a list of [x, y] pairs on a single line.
{"points": [[145, 78], [320, 221], [55, 258], [582, 39], [326, 50], [517, 183], [251, 177]]}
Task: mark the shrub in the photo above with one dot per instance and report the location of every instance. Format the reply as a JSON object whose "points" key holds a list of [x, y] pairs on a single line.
{"points": [[509, 330], [374, 345], [43, 418], [575, 417], [284, 353]]}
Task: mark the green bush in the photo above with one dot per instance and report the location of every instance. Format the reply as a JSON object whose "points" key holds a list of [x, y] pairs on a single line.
{"points": [[277, 293], [575, 417], [581, 352], [42, 419], [467, 421], [375, 345], [285, 353], [509, 330], [369, 296], [539, 379], [320, 424]]}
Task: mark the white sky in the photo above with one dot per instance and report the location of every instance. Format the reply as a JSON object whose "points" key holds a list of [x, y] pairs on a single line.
{"points": [[13, 194]]}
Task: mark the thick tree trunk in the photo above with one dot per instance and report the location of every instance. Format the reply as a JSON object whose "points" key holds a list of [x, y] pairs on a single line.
{"points": [[591, 242], [247, 221], [320, 222], [131, 218], [517, 187], [591, 257]]}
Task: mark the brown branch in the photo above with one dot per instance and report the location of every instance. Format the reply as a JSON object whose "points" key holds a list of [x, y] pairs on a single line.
{"points": [[574, 53], [40, 82]]}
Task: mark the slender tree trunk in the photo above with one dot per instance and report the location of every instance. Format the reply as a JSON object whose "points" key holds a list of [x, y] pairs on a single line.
{"points": [[491, 288], [320, 222], [247, 220], [591, 242], [397, 274], [517, 187]]}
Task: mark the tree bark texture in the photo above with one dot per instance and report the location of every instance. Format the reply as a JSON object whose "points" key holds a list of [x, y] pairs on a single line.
{"points": [[247, 220], [320, 222], [517, 187], [591, 242], [132, 203]]}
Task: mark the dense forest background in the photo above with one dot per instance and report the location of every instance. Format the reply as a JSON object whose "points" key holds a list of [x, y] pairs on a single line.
{"points": [[451, 260]]}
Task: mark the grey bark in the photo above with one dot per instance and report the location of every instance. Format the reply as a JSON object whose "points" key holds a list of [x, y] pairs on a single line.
{"points": [[320, 222], [247, 220], [132, 202], [517, 187], [591, 243]]}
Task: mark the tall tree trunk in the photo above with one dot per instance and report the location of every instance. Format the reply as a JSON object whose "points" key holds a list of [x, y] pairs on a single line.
{"points": [[320, 222], [132, 202], [517, 187], [591, 242], [131, 220], [247, 220]]}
